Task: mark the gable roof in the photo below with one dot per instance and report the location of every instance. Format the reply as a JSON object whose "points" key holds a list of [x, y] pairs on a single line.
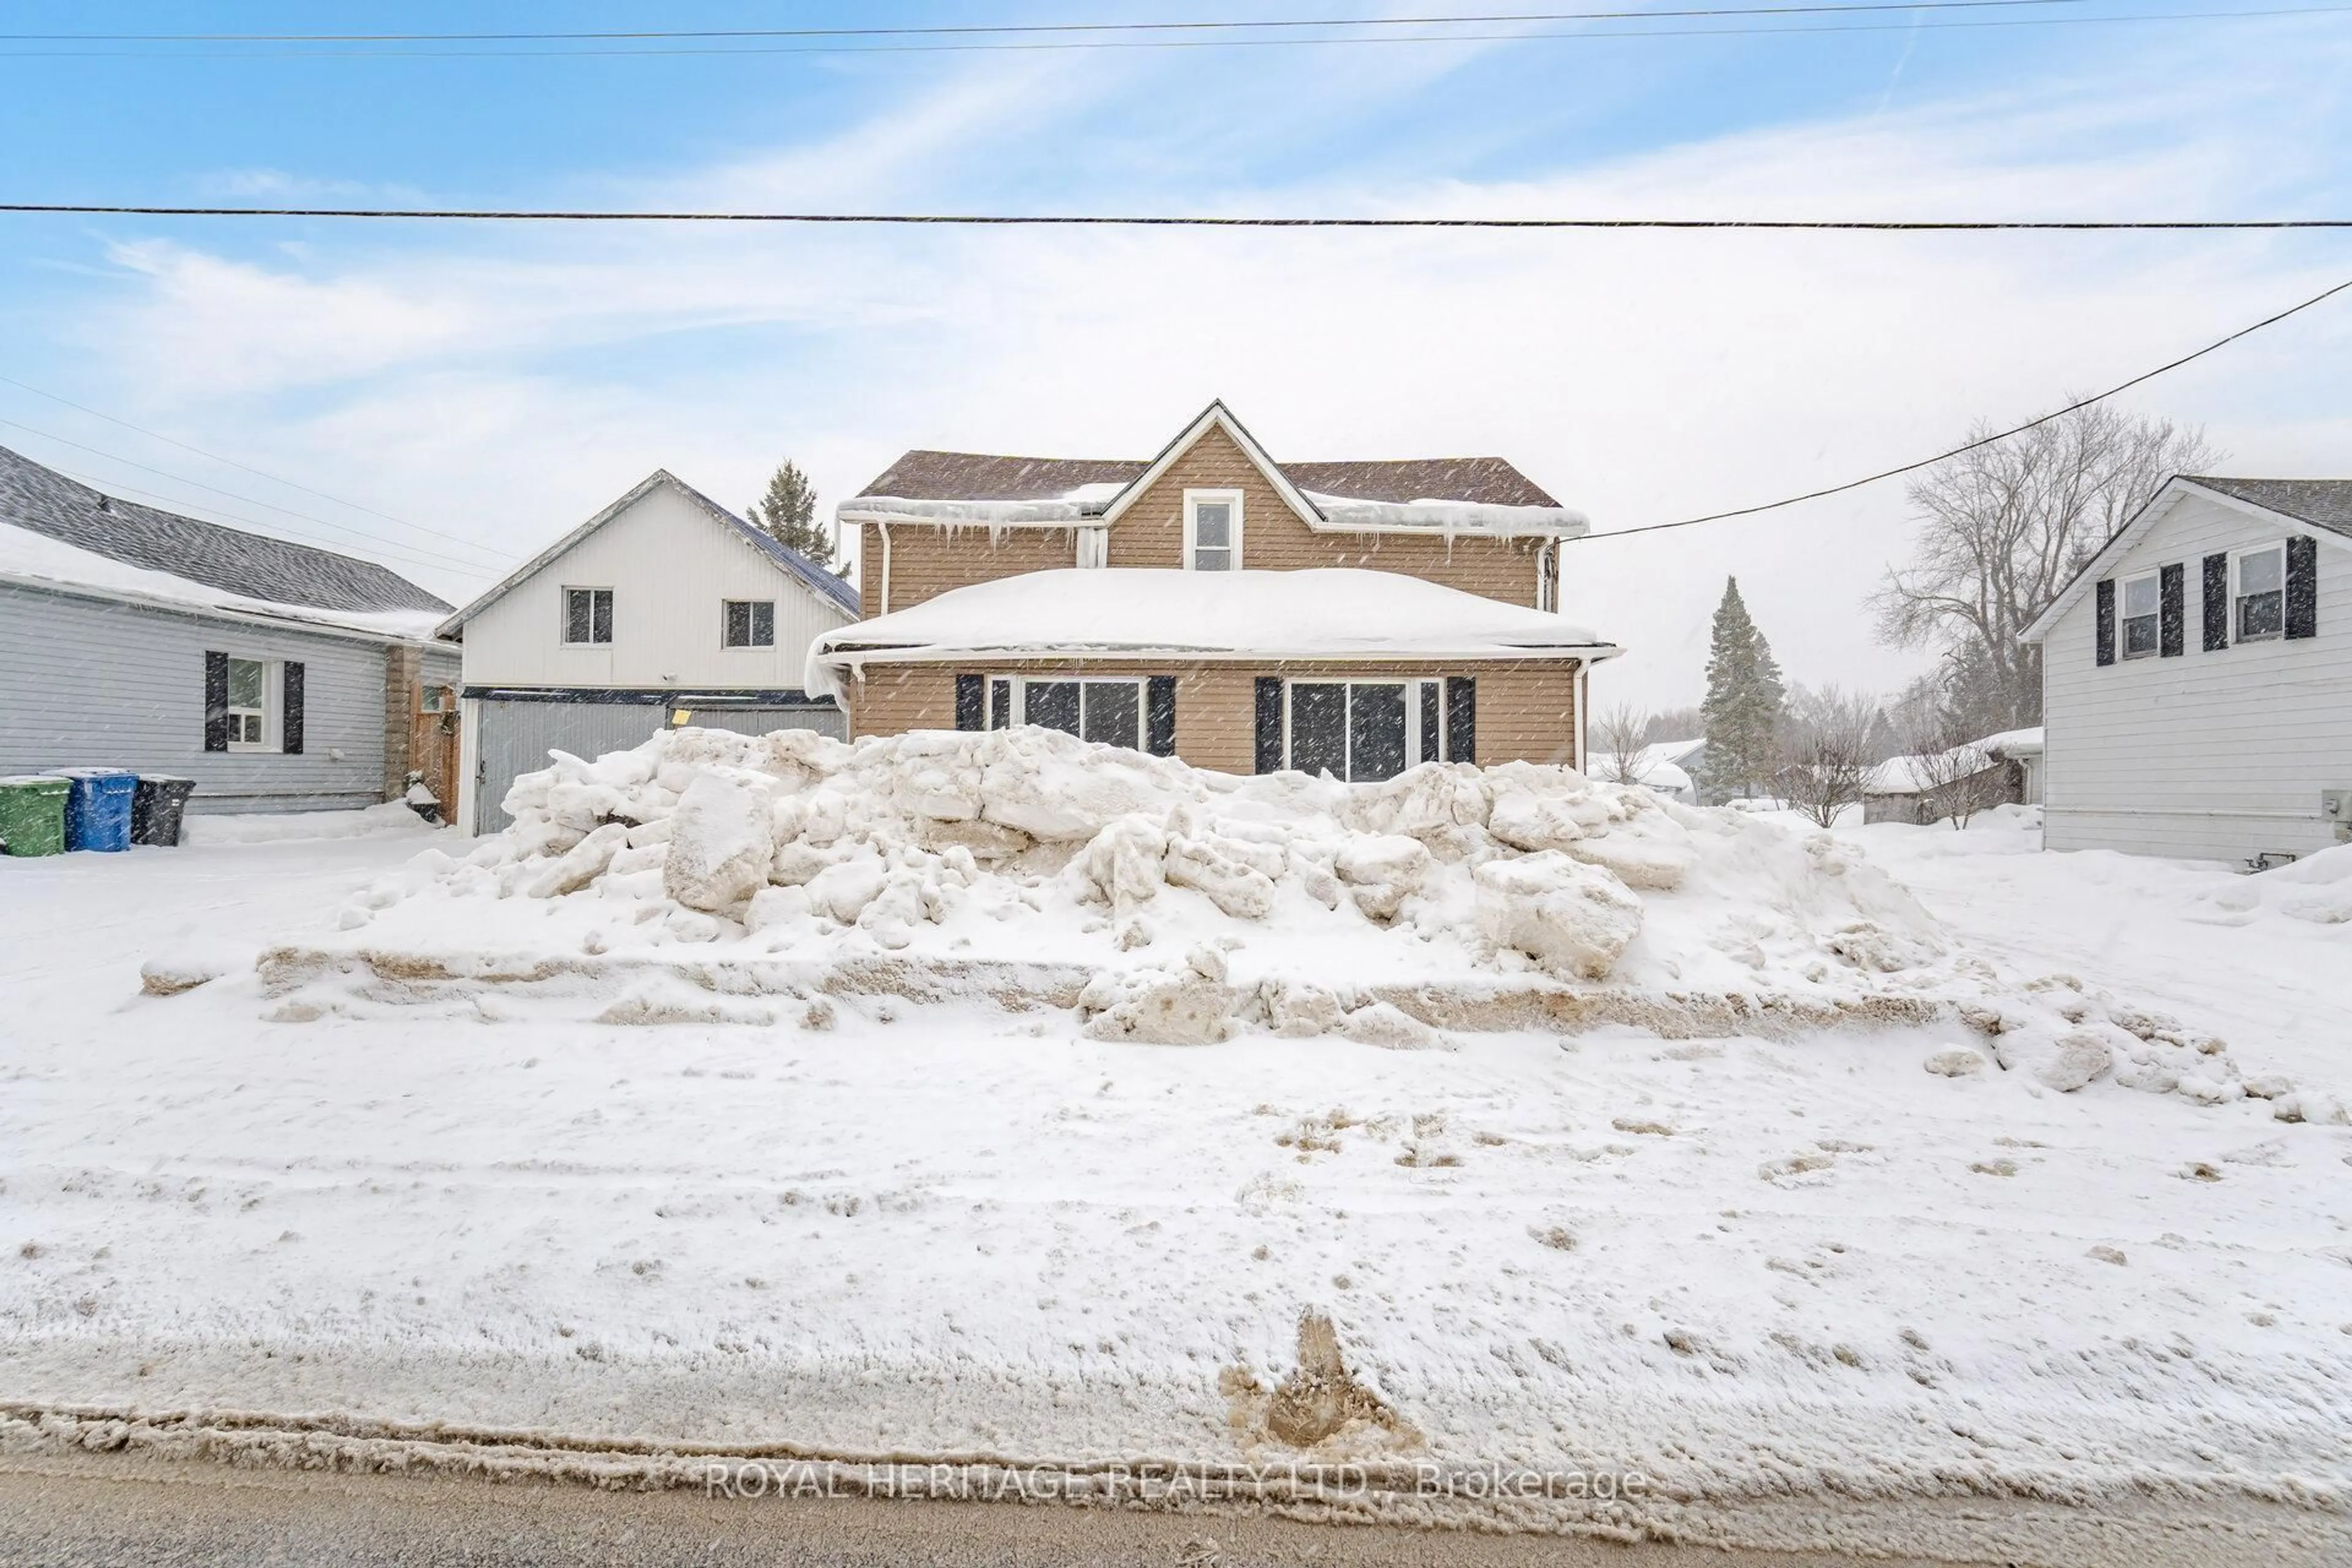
{"points": [[815, 578], [2324, 504], [252, 566], [1423, 494]]}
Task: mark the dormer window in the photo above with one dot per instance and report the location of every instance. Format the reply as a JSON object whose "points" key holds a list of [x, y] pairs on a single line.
{"points": [[1213, 531]]}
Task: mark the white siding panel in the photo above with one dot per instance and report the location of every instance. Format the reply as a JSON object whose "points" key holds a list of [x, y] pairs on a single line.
{"points": [[2209, 756], [84, 682], [670, 567]]}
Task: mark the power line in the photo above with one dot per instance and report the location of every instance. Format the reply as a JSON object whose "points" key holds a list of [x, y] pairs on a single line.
{"points": [[408, 555], [750, 49], [2319, 298], [231, 462], [1017, 28], [1103, 220]]}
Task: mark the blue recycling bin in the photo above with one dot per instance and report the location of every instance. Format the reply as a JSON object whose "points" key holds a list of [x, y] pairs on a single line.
{"points": [[97, 807]]}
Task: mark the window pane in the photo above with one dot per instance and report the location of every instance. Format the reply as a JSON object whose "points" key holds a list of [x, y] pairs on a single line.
{"points": [[2261, 615], [999, 704], [1375, 732], [1052, 703], [2139, 636], [763, 624], [1213, 561], [1212, 524], [738, 623], [2262, 573], [602, 629], [1430, 726], [2140, 596], [1112, 708], [576, 622], [1319, 727], [245, 683]]}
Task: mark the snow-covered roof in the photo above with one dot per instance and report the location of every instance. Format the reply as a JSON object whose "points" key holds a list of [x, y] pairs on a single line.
{"points": [[220, 559], [825, 584], [2322, 504], [1333, 612], [1917, 774], [1647, 768], [2014, 743], [38, 560], [1437, 495]]}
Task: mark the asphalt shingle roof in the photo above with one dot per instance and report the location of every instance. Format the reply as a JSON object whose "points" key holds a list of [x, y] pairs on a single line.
{"points": [[251, 565], [981, 475], [2323, 504]]}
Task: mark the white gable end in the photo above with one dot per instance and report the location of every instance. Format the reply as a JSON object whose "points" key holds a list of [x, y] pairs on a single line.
{"points": [[670, 567]]}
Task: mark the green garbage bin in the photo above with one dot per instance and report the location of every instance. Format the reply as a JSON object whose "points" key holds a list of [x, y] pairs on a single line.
{"points": [[33, 814]]}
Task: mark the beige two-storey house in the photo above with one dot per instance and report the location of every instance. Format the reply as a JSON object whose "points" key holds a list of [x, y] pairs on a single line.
{"points": [[1210, 603]]}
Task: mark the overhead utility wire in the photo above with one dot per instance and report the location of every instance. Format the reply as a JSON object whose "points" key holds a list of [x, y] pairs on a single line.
{"points": [[231, 462], [2320, 298], [1097, 220], [411, 554], [750, 49], [1014, 28]]}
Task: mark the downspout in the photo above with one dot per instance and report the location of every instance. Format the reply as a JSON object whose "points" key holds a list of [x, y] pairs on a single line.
{"points": [[1584, 688], [884, 530]]}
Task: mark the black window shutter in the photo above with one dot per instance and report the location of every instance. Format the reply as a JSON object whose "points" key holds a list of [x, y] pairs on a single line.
{"points": [[1160, 715], [1269, 724], [1461, 718], [1429, 723], [290, 726], [971, 702], [2216, 598], [215, 703], [2172, 611], [2302, 587], [2107, 622]]}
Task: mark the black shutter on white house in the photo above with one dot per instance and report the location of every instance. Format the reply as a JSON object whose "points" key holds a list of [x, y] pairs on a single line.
{"points": [[2302, 587], [1461, 718], [971, 702], [1160, 715], [2172, 611], [1269, 724], [215, 703], [290, 699], [2215, 597], [2106, 618]]}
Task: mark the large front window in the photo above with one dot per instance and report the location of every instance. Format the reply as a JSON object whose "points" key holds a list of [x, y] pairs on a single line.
{"points": [[1360, 731], [1110, 710], [2259, 610]]}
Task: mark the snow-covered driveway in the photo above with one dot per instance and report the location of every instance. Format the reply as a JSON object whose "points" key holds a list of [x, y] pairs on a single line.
{"points": [[1743, 1269]]}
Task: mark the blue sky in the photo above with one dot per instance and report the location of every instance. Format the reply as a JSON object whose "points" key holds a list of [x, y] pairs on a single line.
{"points": [[494, 385]]}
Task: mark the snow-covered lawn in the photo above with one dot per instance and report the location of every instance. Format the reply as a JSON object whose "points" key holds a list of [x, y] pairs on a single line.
{"points": [[1743, 1268]]}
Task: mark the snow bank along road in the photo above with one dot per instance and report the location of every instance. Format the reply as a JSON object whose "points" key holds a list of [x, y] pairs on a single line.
{"points": [[1808, 1292]]}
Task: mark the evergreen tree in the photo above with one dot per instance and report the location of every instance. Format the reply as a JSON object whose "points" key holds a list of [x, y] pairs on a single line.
{"points": [[787, 513], [1743, 702]]}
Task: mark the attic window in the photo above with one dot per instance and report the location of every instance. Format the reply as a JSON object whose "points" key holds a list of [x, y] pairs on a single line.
{"points": [[587, 615], [749, 623], [1213, 531], [2259, 607], [2142, 616]]}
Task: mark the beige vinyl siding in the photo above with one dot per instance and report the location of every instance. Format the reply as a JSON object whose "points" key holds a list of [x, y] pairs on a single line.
{"points": [[2209, 756], [1526, 707], [927, 560], [671, 566]]}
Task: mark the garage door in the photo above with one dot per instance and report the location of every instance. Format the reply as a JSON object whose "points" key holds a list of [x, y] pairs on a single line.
{"points": [[516, 738]]}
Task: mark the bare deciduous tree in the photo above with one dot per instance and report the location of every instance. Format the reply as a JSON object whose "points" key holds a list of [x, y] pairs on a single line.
{"points": [[1826, 751], [2003, 528], [1955, 777], [1615, 743]]}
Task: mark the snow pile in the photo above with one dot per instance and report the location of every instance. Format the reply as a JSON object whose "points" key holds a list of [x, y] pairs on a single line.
{"points": [[1201, 903], [2316, 889]]}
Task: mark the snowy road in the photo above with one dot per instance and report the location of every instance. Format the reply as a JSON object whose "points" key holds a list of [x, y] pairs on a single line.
{"points": [[1744, 1270]]}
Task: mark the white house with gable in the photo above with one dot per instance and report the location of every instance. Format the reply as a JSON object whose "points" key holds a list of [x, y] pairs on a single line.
{"points": [[2197, 677], [663, 609]]}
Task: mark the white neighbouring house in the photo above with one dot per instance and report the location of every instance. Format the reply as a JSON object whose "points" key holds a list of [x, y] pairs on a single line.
{"points": [[663, 609], [2197, 677]]}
